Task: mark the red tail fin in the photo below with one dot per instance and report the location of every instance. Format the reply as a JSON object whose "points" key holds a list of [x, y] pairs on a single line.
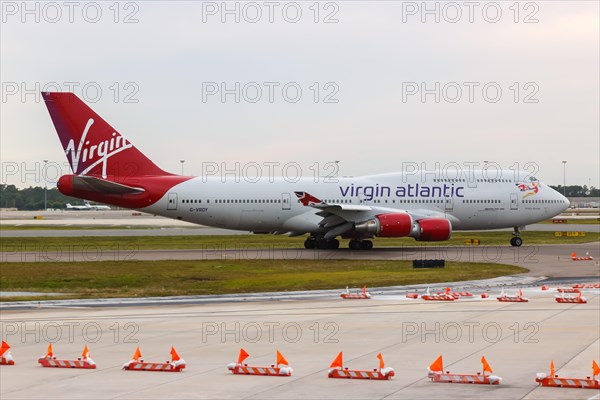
{"points": [[91, 145]]}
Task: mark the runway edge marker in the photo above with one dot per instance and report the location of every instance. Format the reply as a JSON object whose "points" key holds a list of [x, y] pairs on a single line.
{"points": [[554, 380], [337, 370], [83, 362], [177, 364], [238, 368], [436, 374]]}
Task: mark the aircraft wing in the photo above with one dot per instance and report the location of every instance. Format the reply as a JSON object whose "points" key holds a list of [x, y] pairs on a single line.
{"points": [[337, 219]]}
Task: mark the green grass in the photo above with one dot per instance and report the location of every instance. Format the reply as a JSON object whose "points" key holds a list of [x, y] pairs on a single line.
{"points": [[134, 243], [175, 278]]}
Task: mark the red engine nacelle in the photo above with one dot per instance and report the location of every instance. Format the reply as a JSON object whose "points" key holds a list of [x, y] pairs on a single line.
{"points": [[386, 225], [433, 229]]}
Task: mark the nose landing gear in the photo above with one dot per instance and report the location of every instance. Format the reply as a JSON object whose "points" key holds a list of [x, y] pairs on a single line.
{"points": [[516, 240]]}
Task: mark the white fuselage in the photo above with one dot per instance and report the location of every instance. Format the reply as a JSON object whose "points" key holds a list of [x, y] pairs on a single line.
{"points": [[271, 205]]}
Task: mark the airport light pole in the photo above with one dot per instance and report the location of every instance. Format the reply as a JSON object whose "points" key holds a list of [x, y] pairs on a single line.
{"points": [[564, 178], [181, 161], [45, 186]]}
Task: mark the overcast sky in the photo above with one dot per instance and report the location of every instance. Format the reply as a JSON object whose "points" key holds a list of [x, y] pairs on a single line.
{"points": [[361, 68]]}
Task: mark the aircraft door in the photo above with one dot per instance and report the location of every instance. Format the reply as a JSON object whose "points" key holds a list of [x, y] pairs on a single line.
{"points": [[172, 201], [286, 201], [514, 201], [448, 204]]}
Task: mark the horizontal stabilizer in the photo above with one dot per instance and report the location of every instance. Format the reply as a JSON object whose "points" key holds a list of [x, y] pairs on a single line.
{"points": [[92, 184]]}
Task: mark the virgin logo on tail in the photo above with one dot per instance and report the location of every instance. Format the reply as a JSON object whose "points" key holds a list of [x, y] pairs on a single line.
{"points": [[94, 153]]}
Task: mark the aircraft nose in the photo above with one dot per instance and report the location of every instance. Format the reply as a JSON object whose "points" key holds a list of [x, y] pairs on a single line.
{"points": [[565, 203]]}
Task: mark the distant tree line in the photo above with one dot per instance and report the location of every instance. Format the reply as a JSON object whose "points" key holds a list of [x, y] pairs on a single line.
{"points": [[32, 198], [577, 190]]}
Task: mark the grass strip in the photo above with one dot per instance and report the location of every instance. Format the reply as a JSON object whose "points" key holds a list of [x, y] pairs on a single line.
{"points": [[175, 278]]}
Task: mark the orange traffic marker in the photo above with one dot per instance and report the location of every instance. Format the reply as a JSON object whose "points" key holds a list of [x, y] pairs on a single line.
{"points": [[583, 383], [436, 374], [362, 295], [512, 299], [238, 368], [85, 361], [5, 357], [456, 295], [570, 299], [177, 364], [587, 257], [438, 297], [337, 370], [588, 286], [568, 290]]}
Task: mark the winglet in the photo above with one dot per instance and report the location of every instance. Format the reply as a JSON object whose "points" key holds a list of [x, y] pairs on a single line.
{"points": [[308, 200]]}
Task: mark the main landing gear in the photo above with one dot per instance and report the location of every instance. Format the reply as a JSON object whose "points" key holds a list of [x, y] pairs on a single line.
{"points": [[321, 244], [331, 244], [516, 239], [360, 244]]}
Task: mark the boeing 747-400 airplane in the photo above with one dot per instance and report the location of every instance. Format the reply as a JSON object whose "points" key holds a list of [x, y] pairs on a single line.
{"points": [[107, 168]]}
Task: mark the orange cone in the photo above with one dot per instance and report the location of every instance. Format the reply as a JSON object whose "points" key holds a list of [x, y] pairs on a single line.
{"points": [[243, 355], [137, 355], [5, 356], [437, 365], [174, 355], [552, 369], [86, 352], [50, 353], [4, 347], [337, 363], [381, 363], [486, 366], [281, 359], [595, 368]]}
